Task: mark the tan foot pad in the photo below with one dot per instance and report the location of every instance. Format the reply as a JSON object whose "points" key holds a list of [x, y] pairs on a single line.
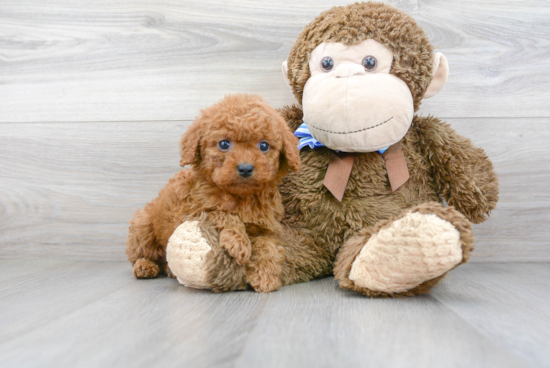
{"points": [[413, 249], [187, 253]]}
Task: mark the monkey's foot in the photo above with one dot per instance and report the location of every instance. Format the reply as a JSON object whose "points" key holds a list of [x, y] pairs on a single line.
{"points": [[406, 253], [196, 259], [187, 254]]}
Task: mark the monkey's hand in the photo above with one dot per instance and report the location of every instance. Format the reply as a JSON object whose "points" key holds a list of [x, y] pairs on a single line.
{"points": [[463, 173], [237, 243]]}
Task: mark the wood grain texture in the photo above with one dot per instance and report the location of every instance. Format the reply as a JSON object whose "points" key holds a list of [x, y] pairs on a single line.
{"points": [[92, 314], [144, 60], [518, 229], [74, 187], [515, 299], [68, 190], [15, 269]]}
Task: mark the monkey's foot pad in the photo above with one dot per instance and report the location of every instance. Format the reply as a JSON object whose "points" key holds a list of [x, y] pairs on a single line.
{"points": [[187, 253], [413, 249]]}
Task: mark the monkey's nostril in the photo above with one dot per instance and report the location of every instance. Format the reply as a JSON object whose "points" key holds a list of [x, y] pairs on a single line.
{"points": [[245, 170]]}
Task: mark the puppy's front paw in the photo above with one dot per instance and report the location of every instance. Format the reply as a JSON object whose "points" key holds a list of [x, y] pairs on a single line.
{"points": [[264, 283], [145, 269], [238, 247]]}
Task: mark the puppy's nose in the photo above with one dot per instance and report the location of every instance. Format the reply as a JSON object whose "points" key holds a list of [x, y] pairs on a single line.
{"points": [[245, 170]]}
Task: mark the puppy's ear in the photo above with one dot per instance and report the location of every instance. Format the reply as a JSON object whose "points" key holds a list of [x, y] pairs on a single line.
{"points": [[290, 154], [189, 144]]}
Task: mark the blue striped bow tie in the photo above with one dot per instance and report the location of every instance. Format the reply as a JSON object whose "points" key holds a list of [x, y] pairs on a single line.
{"points": [[306, 139]]}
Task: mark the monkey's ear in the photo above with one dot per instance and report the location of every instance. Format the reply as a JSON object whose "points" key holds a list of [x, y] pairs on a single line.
{"points": [[285, 72], [189, 144], [439, 75]]}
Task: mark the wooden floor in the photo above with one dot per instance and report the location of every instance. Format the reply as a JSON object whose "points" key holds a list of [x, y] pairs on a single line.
{"points": [[95, 314]]}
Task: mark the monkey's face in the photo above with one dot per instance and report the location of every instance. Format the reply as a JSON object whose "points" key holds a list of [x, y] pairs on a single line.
{"points": [[351, 102]]}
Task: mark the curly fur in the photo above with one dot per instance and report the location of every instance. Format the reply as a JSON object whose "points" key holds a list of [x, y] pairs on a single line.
{"points": [[246, 212]]}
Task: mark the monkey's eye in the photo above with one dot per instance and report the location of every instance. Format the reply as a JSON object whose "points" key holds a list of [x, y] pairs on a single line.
{"points": [[327, 63], [263, 146], [369, 62], [224, 145]]}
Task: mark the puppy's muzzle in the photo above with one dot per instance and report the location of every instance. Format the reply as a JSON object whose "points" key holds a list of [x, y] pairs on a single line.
{"points": [[245, 169]]}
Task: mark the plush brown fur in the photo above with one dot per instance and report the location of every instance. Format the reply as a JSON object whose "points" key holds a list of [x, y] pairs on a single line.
{"points": [[443, 166], [323, 235], [245, 212]]}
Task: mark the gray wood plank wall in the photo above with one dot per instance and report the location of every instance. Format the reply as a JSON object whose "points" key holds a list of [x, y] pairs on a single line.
{"points": [[94, 96]]}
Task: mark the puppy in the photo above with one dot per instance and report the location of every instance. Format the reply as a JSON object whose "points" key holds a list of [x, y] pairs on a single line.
{"points": [[239, 150]]}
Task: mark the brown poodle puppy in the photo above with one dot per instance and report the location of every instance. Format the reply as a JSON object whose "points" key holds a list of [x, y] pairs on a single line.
{"points": [[239, 150]]}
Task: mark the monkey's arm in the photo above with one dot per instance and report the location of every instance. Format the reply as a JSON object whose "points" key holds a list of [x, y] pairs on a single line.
{"points": [[462, 173], [233, 235]]}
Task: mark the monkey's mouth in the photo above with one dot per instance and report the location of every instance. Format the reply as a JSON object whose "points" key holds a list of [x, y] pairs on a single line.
{"points": [[353, 131]]}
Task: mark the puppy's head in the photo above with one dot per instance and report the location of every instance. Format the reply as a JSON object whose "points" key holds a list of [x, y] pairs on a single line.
{"points": [[240, 144]]}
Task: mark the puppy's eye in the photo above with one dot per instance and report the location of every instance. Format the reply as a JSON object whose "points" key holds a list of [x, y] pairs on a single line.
{"points": [[224, 145], [369, 62], [327, 63], [263, 146]]}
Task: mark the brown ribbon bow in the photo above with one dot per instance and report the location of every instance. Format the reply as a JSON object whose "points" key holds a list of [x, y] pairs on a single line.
{"points": [[341, 163]]}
